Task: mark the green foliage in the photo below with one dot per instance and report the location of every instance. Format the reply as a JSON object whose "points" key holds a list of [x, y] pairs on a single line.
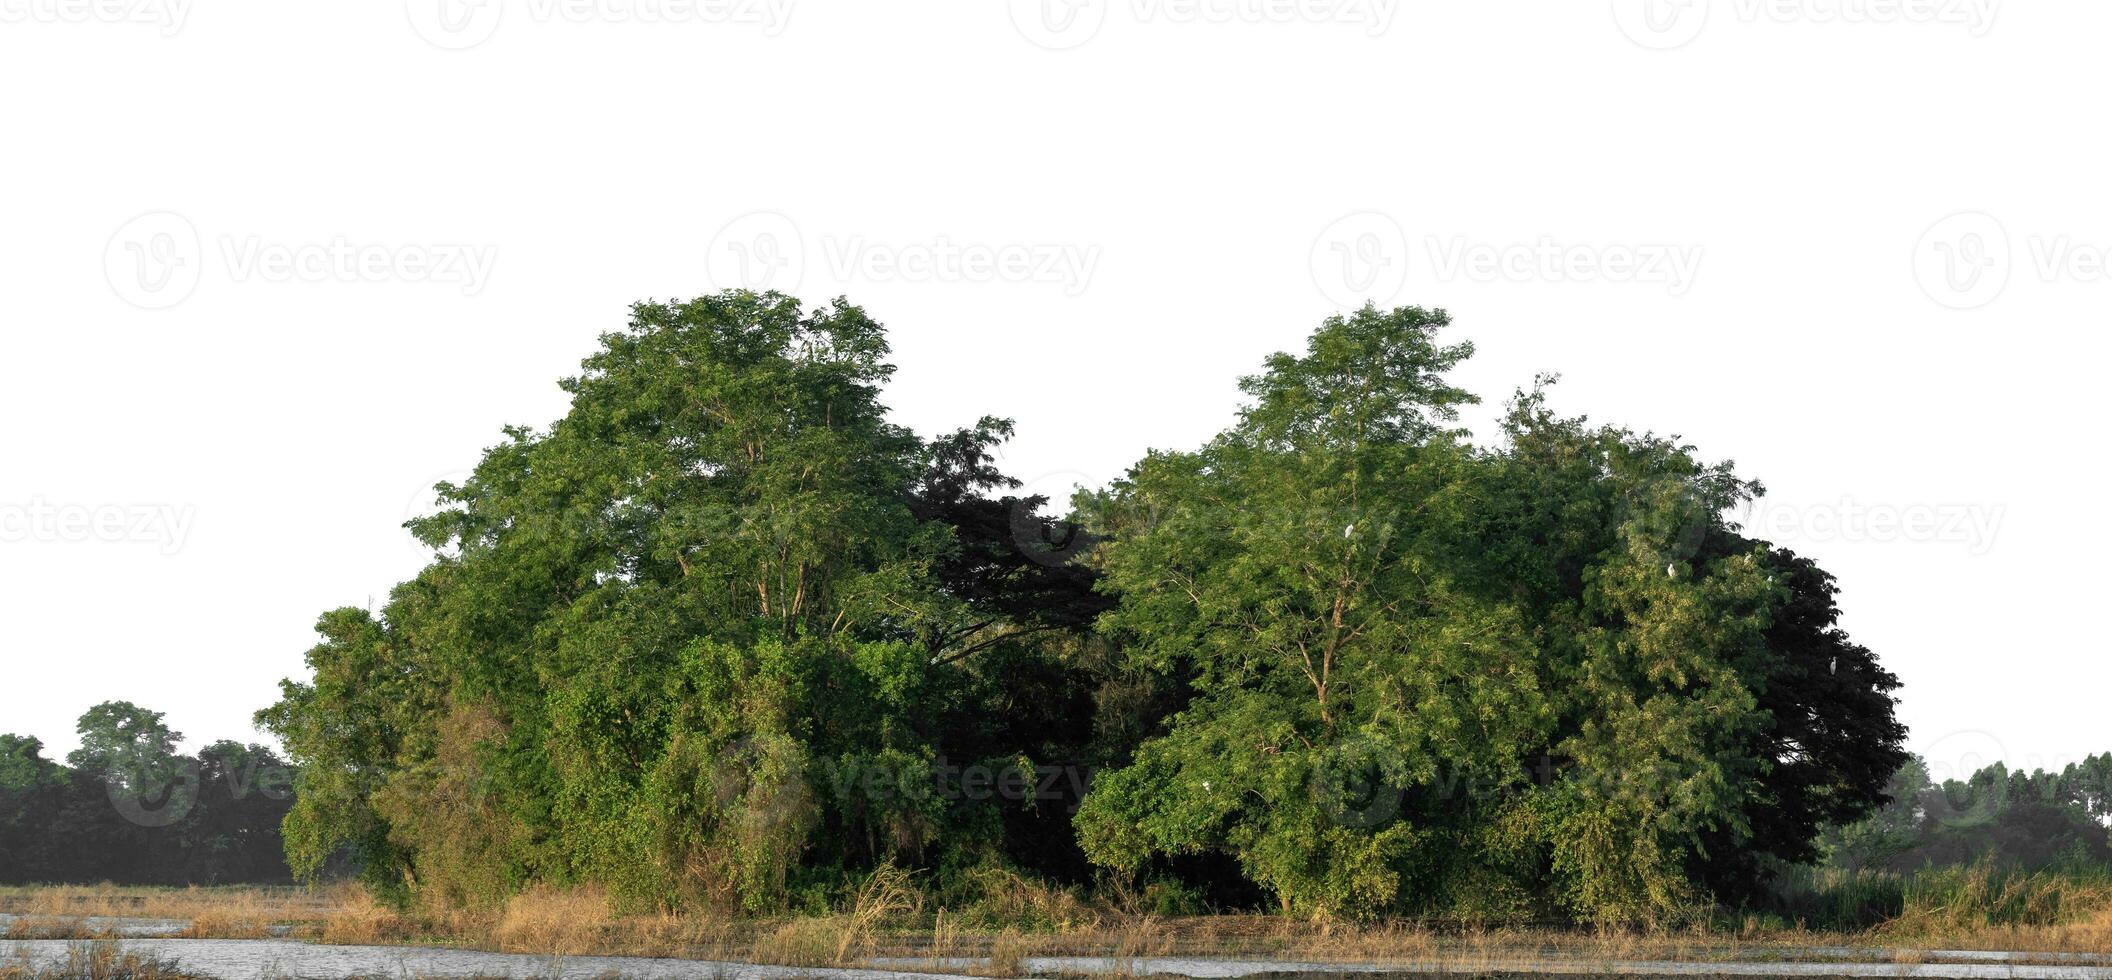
{"points": [[701, 638], [1429, 675], [716, 637]]}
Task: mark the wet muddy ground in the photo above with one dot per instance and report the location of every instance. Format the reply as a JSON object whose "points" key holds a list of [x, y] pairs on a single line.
{"points": [[279, 959]]}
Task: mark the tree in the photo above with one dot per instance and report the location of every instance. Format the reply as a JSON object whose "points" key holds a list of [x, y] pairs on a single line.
{"points": [[715, 637], [712, 629], [1284, 568], [1436, 678], [129, 744], [1995, 816], [29, 788], [1830, 744]]}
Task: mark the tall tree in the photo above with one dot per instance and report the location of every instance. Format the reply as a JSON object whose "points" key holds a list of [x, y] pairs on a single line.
{"points": [[1437, 678], [704, 633]]}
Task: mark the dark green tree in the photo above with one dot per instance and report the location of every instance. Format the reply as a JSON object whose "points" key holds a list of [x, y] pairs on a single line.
{"points": [[705, 637], [1436, 678]]}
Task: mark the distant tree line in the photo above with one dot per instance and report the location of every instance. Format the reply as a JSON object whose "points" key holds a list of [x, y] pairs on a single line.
{"points": [[127, 807], [1999, 816]]}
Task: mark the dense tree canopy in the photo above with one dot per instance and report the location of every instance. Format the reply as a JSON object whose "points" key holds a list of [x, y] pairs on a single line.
{"points": [[1435, 677], [714, 628], [724, 635]]}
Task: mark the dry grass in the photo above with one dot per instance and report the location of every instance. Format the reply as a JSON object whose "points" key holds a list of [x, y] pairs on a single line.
{"points": [[241, 915], [553, 922], [886, 916], [801, 942], [1008, 955], [362, 921], [112, 901], [1004, 896], [48, 928], [94, 961], [848, 936]]}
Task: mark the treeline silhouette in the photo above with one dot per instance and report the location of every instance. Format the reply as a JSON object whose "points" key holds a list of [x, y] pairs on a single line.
{"points": [[1995, 816], [128, 808]]}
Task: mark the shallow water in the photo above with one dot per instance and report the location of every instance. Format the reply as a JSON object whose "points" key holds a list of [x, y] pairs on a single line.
{"points": [[1213, 969], [104, 924], [234, 959], [243, 959]]}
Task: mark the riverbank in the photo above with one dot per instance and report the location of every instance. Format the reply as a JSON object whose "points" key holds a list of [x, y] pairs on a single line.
{"points": [[1040, 932], [211, 959]]}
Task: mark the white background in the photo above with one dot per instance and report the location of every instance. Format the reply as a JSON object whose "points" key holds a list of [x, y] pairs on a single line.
{"points": [[1840, 338]]}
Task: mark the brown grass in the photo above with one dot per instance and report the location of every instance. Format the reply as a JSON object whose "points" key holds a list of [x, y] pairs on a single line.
{"points": [[1008, 955], [278, 904], [553, 922], [885, 916], [48, 928], [94, 961]]}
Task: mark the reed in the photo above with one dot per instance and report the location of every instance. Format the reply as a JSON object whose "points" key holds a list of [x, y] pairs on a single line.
{"points": [[100, 960]]}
